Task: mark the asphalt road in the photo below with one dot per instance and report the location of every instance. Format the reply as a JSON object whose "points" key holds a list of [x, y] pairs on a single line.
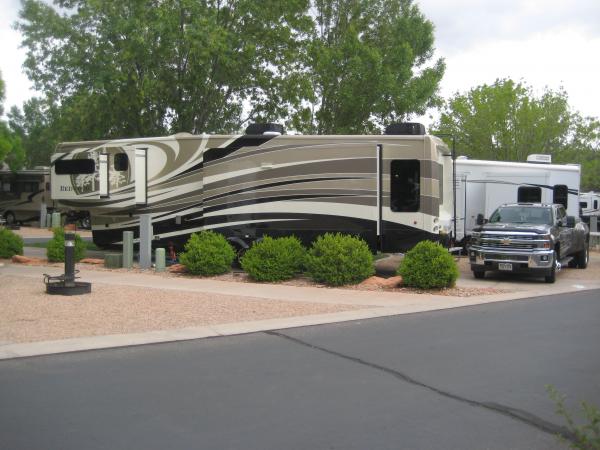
{"points": [[468, 378]]}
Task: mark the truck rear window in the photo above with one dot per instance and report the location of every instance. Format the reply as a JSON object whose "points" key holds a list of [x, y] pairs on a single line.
{"points": [[74, 166]]}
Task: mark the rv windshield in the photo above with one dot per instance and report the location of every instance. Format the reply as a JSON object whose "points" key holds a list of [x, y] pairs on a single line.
{"points": [[522, 214]]}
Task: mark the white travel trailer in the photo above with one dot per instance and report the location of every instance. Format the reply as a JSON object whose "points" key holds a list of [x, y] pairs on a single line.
{"points": [[589, 202], [393, 190], [482, 186]]}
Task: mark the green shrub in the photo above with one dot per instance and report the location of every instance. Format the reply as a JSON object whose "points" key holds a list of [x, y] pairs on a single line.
{"points": [[55, 248], [207, 253], [274, 259], [338, 259], [10, 243], [428, 265]]}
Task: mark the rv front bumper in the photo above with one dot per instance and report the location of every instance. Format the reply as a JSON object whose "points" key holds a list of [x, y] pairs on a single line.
{"points": [[487, 259]]}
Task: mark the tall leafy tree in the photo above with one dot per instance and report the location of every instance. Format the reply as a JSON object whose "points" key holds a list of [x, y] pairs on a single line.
{"points": [[370, 64], [507, 121], [147, 67], [11, 149]]}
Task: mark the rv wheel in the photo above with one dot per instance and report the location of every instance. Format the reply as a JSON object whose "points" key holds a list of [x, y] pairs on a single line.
{"points": [[9, 218]]}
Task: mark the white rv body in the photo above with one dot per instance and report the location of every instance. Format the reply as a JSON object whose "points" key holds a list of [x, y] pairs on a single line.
{"points": [[590, 204], [482, 186]]}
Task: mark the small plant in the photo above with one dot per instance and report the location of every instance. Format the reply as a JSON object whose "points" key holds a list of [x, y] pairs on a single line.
{"points": [[584, 437], [274, 259], [55, 248], [10, 243], [338, 259], [428, 265], [207, 253]]}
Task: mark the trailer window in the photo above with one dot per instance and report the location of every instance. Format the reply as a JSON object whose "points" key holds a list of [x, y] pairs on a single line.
{"points": [[405, 190], [121, 162], [583, 205], [595, 204], [74, 166], [529, 194], [561, 195]]}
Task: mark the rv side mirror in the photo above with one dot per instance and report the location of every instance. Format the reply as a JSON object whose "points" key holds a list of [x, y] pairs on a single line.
{"points": [[570, 222], [480, 220]]}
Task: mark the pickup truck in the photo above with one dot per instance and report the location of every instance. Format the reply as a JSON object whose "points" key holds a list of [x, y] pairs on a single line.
{"points": [[529, 238]]}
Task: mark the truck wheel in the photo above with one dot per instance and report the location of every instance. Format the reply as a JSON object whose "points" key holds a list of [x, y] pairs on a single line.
{"points": [[551, 277], [582, 257], [479, 274]]}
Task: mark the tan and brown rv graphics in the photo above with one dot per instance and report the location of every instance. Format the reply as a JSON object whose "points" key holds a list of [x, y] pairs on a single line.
{"points": [[387, 189]]}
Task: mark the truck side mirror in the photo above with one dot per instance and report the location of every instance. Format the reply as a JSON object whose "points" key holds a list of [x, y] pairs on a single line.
{"points": [[570, 222], [480, 220]]}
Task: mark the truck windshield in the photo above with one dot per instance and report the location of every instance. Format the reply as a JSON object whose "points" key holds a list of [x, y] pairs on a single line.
{"points": [[522, 214]]}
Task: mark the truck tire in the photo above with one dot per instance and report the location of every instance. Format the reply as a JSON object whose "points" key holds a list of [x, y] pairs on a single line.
{"points": [[582, 257], [479, 274], [551, 277]]}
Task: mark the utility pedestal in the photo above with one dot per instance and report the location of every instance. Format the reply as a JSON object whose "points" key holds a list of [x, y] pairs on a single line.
{"points": [[65, 284]]}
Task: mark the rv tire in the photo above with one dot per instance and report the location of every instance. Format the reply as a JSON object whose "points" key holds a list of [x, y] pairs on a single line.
{"points": [[9, 218]]}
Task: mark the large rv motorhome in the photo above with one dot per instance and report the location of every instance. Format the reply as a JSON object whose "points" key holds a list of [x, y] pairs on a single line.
{"points": [[24, 194], [482, 186], [393, 190]]}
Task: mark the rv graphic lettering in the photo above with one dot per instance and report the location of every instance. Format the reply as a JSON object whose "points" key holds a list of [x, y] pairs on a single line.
{"points": [[66, 188]]}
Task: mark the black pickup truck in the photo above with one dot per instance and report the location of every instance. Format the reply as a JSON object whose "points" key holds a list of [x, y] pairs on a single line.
{"points": [[529, 238]]}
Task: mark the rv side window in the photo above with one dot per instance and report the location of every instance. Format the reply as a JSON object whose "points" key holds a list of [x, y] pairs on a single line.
{"points": [[561, 194], [529, 194], [405, 190], [74, 166], [583, 205], [595, 204], [121, 162]]}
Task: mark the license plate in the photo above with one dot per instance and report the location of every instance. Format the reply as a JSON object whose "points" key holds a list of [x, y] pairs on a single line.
{"points": [[505, 266]]}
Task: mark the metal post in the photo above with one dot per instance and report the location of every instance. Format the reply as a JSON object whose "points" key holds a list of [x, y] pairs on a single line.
{"points": [[55, 220], [128, 249], [159, 259], [145, 241], [69, 259]]}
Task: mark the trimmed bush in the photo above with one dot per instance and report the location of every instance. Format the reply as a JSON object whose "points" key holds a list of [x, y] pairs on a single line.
{"points": [[428, 265], [10, 243], [207, 253], [55, 248], [274, 259], [338, 259]]}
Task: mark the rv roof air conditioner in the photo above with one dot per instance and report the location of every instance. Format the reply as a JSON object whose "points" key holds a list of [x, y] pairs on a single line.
{"points": [[273, 129], [407, 128], [539, 158]]}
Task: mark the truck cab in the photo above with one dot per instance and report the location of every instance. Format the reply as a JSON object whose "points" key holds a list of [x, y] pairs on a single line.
{"points": [[531, 238]]}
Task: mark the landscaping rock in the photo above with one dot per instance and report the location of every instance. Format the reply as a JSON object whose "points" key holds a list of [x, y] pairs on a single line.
{"points": [[380, 282], [177, 268], [97, 261], [20, 259]]}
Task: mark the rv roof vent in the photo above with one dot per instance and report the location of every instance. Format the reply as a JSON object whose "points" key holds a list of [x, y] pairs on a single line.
{"points": [[539, 159], [265, 128], [408, 128]]}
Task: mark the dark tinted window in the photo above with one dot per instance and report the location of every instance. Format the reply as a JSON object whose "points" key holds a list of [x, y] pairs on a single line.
{"points": [[121, 162], [595, 204], [529, 194], [583, 204], [74, 166], [561, 195], [405, 189]]}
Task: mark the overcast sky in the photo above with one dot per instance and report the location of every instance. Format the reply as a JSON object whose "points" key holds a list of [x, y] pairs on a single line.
{"points": [[549, 43]]}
